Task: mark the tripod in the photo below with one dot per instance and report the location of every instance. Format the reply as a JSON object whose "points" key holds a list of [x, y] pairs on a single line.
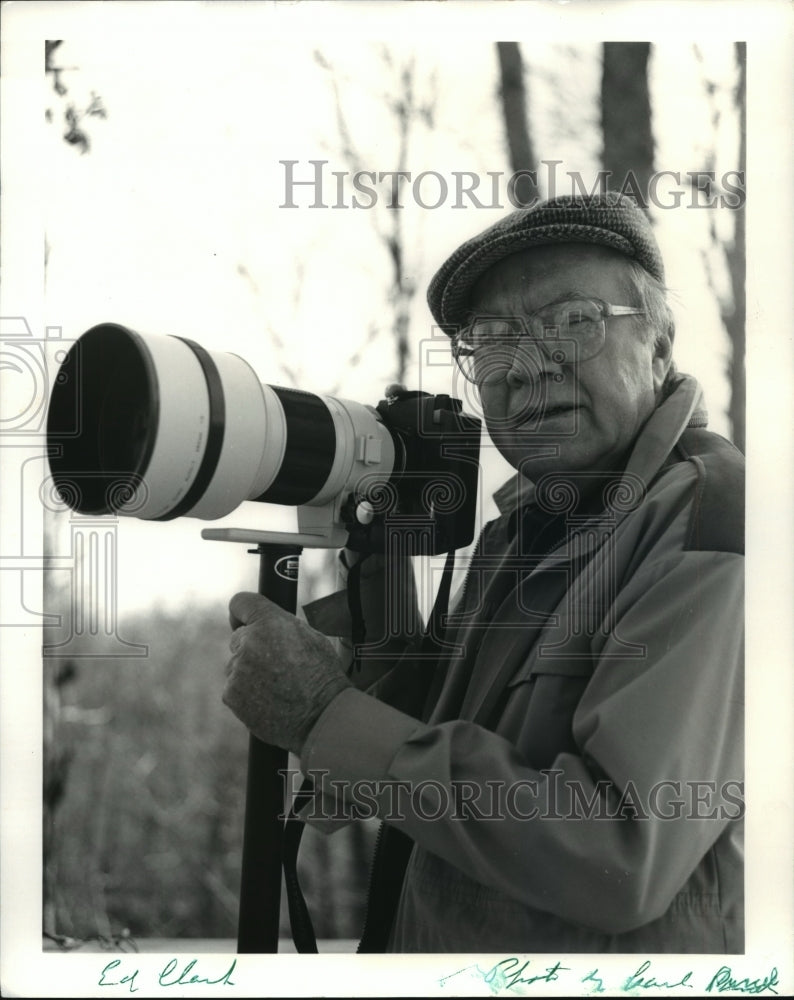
{"points": [[263, 831], [263, 838]]}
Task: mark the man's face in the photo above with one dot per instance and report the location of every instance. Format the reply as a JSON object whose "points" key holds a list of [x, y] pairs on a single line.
{"points": [[547, 417]]}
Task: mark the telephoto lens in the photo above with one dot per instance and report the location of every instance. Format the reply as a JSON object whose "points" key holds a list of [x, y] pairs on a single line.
{"points": [[156, 427]]}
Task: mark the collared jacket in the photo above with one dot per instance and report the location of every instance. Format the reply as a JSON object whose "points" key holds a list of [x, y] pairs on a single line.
{"points": [[577, 784]]}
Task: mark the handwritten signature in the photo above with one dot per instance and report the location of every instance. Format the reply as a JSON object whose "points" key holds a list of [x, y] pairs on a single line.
{"points": [[723, 981], [512, 972], [509, 973], [112, 975]]}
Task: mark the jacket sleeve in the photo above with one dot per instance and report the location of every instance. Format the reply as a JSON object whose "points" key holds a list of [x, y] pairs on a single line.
{"points": [[390, 610], [610, 834]]}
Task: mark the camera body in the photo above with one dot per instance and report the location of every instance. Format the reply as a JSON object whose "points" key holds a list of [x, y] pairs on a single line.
{"points": [[435, 480], [166, 429]]}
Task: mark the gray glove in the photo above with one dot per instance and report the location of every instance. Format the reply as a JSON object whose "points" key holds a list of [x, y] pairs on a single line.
{"points": [[282, 674]]}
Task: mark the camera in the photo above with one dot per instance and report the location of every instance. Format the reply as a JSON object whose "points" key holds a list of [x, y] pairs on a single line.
{"points": [[167, 429]]}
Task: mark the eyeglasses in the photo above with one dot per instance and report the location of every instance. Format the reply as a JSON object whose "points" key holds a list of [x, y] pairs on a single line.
{"points": [[567, 333]]}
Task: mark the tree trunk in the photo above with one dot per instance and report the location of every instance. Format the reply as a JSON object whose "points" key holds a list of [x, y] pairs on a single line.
{"points": [[626, 118], [513, 95]]}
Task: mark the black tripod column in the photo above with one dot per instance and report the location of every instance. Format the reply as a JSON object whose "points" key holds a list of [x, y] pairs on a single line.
{"points": [[260, 889]]}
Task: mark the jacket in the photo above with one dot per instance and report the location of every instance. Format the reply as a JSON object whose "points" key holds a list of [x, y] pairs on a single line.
{"points": [[576, 785]]}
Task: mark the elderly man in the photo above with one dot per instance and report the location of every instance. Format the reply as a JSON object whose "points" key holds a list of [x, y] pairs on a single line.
{"points": [[573, 770]]}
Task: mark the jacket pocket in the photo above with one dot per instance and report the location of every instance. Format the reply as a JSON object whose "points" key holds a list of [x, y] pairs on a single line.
{"points": [[542, 698], [552, 667]]}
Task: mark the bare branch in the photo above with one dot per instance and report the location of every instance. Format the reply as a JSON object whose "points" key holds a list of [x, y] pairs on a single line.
{"points": [[74, 133], [405, 108]]}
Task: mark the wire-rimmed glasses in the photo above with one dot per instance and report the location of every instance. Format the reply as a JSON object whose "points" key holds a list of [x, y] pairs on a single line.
{"points": [[566, 332]]}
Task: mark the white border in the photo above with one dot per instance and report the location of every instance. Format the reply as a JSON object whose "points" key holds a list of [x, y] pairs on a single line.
{"points": [[767, 27]]}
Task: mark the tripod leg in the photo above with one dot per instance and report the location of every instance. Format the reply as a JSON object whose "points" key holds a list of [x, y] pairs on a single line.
{"points": [[260, 888]]}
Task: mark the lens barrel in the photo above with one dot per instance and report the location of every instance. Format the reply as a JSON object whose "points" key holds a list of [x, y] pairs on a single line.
{"points": [[157, 427]]}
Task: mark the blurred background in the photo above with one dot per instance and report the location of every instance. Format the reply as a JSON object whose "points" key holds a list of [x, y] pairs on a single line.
{"points": [[165, 200]]}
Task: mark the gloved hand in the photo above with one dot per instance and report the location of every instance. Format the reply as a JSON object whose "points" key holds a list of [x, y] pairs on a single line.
{"points": [[282, 673]]}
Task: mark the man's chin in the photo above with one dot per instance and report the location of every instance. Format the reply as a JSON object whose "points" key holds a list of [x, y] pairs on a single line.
{"points": [[545, 458], [578, 465], [537, 457]]}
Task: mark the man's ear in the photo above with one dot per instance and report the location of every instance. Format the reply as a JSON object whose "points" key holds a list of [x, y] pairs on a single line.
{"points": [[662, 359]]}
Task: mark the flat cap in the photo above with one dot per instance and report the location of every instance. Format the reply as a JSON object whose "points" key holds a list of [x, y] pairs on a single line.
{"points": [[610, 219]]}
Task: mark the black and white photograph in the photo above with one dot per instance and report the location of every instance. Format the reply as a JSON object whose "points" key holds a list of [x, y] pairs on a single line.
{"points": [[397, 498]]}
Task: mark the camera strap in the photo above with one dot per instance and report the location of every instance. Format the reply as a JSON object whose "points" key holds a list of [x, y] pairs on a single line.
{"points": [[392, 847], [358, 628], [299, 917], [303, 934]]}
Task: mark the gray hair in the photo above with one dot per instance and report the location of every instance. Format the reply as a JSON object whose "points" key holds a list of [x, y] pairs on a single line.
{"points": [[661, 323]]}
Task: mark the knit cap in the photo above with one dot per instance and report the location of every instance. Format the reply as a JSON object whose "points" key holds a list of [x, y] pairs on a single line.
{"points": [[610, 219]]}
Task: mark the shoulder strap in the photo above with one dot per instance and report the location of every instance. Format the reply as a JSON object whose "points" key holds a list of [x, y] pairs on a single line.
{"points": [[717, 521]]}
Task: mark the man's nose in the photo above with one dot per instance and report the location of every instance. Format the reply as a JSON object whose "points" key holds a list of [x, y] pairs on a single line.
{"points": [[532, 361]]}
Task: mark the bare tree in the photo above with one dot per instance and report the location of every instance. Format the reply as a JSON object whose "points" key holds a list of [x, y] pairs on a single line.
{"points": [[407, 109], [732, 302], [734, 312], [513, 96], [628, 149]]}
